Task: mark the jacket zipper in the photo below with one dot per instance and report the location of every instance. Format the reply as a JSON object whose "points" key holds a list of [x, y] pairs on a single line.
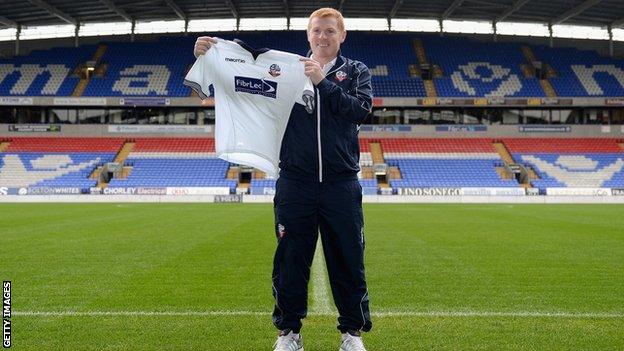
{"points": [[318, 125], [318, 134]]}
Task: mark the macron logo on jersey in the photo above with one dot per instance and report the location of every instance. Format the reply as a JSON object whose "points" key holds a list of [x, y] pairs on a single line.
{"points": [[255, 86]]}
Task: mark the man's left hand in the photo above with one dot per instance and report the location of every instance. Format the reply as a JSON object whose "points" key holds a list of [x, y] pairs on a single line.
{"points": [[313, 70]]}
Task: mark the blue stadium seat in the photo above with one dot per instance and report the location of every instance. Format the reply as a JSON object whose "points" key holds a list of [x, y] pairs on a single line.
{"points": [[444, 172], [176, 171]]}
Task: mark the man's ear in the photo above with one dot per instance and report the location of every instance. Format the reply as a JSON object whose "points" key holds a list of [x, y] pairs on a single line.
{"points": [[343, 36]]}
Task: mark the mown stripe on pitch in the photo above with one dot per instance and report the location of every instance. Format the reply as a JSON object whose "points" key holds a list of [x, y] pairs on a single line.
{"points": [[320, 292], [518, 314]]}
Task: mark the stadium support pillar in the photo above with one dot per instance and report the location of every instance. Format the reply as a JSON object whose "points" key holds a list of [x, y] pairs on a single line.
{"points": [[17, 39], [494, 34], [550, 37], [441, 27], [186, 21], [76, 30], [609, 29], [132, 31]]}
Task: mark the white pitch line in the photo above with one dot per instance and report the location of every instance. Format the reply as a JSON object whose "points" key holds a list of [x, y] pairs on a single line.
{"points": [[517, 314], [225, 313], [321, 303], [138, 313]]}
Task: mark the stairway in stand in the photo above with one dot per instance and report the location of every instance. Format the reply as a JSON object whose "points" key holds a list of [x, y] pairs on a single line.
{"points": [[120, 158], [4, 144]]}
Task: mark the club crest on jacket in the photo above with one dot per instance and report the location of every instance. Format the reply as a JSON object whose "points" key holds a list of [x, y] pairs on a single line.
{"points": [[340, 76]]}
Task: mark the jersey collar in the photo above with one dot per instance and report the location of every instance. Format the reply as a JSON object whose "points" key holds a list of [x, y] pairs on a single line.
{"points": [[254, 52]]}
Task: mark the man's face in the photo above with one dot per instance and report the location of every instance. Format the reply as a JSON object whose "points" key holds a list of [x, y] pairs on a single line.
{"points": [[325, 37]]}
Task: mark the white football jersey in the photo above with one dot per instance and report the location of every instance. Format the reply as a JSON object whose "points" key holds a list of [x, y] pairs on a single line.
{"points": [[254, 94]]}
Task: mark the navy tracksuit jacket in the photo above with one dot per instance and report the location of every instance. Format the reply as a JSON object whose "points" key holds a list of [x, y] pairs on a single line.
{"points": [[317, 190]]}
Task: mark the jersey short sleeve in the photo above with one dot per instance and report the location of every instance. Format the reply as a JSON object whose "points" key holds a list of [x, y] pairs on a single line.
{"points": [[200, 77]]}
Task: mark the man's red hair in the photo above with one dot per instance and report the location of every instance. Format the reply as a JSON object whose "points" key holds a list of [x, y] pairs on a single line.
{"points": [[328, 12]]}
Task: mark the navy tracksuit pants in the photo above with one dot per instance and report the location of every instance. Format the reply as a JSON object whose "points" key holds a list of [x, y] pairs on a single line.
{"points": [[302, 208]]}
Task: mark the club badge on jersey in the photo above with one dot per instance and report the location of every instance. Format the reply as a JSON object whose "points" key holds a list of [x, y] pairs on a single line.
{"points": [[275, 70]]}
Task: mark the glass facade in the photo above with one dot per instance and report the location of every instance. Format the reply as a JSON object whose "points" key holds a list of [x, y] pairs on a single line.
{"points": [[201, 116]]}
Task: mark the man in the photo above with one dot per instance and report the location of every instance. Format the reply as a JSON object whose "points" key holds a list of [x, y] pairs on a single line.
{"points": [[318, 188]]}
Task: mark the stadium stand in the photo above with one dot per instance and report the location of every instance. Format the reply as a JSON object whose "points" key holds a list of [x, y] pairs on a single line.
{"points": [[583, 73], [42, 72], [412, 162], [366, 177], [175, 162], [143, 69], [55, 162], [445, 163], [367, 181], [390, 73], [467, 68], [480, 69], [571, 162], [262, 186]]}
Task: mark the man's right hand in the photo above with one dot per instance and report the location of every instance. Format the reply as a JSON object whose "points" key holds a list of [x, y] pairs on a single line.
{"points": [[202, 45]]}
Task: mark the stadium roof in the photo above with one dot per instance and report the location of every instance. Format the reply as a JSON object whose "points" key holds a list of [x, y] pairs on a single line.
{"points": [[47, 12]]}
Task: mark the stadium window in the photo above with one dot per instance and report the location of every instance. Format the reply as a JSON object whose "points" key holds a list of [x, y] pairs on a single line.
{"points": [[192, 116], [536, 116], [592, 116], [524, 29], [159, 27], [263, 24], [109, 28], [556, 117], [563, 117], [212, 25], [385, 116], [47, 32], [416, 116], [64, 115], [207, 116], [8, 34], [493, 116], [366, 24], [116, 116], [414, 25], [445, 117], [604, 116], [475, 116], [178, 116], [617, 116], [7, 115], [618, 34], [29, 114], [91, 116], [511, 117], [148, 116], [472, 27], [579, 32]]}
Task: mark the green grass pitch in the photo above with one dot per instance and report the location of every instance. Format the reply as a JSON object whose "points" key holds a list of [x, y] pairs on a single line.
{"points": [[197, 277]]}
